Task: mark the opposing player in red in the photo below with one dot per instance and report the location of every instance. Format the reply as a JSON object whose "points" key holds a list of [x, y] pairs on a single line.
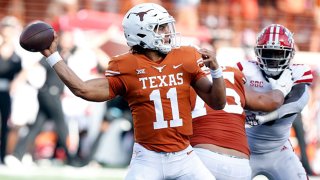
{"points": [[271, 152], [155, 77], [219, 136]]}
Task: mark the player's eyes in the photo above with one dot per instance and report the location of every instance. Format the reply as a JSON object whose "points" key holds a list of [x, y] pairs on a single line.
{"points": [[161, 28], [273, 54]]}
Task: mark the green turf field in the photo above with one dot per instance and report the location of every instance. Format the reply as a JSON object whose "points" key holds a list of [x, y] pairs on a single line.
{"points": [[70, 173], [61, 173]]}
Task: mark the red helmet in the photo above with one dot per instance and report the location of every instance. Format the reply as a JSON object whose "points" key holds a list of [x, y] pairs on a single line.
{"points": [[274, 49]]}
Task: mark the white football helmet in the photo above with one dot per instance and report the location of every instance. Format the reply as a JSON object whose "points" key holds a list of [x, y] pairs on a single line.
{"points": [[274, 49], [141, 25]]}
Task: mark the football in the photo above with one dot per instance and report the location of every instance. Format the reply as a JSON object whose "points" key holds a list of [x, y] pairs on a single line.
{"points": [[36, 36]]}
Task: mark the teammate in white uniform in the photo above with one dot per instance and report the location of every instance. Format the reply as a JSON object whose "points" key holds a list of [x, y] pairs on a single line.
{"points": [[271, 152]]}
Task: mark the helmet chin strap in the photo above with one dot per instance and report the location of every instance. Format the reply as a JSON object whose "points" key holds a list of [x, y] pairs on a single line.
{"points": [[266, 76]]}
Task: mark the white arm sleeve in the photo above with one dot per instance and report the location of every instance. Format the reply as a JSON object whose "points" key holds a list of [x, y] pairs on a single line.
{"points": [[294, 103]]}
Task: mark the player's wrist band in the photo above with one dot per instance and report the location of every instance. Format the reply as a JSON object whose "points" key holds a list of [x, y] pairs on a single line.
{"points": [[54, 58], [216, 73]]}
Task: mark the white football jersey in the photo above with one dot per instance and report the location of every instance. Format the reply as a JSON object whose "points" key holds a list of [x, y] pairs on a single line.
{"points": [[270, 136]]}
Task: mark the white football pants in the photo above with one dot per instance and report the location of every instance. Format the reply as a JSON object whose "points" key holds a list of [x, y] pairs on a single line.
{"points": [[151, 165], [281, 164], [225, 167]]}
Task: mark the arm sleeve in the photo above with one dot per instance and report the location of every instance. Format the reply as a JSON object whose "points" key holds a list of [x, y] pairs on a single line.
{"points": [[116, 87], [294, 103]]}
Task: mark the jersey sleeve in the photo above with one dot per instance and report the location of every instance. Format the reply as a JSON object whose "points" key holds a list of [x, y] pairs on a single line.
{"points": [[302, 74], [194, 63], [116, 86]]}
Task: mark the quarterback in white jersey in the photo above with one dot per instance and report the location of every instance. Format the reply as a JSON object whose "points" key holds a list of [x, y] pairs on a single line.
{"points": [[271, 152]]}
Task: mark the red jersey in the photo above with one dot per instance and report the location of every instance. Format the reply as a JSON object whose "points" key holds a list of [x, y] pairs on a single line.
{"points": [[158, 95], [225, 128]]}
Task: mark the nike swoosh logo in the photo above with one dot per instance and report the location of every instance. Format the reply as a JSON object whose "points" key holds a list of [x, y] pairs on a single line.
{"points": [[176, 66], [188, 153]]}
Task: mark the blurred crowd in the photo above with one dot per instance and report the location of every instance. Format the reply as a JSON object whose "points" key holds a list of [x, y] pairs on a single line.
{"points": [[43, 122]]}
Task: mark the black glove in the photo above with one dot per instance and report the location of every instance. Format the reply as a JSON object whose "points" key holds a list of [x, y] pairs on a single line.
{"points": [[251, 120]]}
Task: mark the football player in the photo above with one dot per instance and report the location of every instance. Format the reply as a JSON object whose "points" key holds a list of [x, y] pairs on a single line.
{"points": [[271, 152], [219, 136], [155, 77]]}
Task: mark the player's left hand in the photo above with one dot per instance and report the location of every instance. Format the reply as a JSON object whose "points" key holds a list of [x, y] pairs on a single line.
{"points": [[209, 58], [251, 120]]}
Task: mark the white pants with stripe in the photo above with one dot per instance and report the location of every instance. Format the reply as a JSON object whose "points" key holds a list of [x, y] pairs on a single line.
{"points": [[282, 164], [151, 165], [225, 167]]}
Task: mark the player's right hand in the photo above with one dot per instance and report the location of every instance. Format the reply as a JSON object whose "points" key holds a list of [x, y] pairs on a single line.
{"points": [[284, 83], [209, 58], [52, 48]]}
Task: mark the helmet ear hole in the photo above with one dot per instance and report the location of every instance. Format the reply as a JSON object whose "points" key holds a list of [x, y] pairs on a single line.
{"points": [[142, 44], [141, 35]]}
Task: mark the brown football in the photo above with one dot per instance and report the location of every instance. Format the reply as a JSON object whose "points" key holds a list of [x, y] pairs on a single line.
{"points": [[36, 36]]}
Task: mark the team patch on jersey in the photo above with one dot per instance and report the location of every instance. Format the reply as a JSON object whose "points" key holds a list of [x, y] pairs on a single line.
{"points": [[141, 71], [159, 68], [176, 66], [254, 83]]}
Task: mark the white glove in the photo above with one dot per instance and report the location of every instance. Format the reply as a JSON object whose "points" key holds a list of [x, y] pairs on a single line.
{"points": [[284, 83]]}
